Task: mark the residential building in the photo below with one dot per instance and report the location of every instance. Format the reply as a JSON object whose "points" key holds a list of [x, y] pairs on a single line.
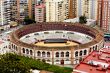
{"points": [[24, 8], [40, 13], [4, 15], [19, 9], [4, 47], [104, 15], [56, 10], [72, 9], [95, 62], [87, 8], [3, 20]]}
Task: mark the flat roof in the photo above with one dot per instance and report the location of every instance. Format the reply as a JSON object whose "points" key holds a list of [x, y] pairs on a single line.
{"points": [[1, 42], [107, 44], [55, 41], [95, 62]]}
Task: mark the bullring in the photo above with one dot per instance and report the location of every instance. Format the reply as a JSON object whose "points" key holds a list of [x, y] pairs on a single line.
{"points": [[76, 41]]}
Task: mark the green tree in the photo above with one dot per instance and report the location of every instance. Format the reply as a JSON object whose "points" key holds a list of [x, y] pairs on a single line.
{"points": [[28, 20], [82, 19], [10, 63]]}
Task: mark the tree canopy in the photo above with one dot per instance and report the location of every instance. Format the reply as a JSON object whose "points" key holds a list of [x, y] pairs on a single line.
{"points": [[12, 63], [28, 20], [82, 19]]}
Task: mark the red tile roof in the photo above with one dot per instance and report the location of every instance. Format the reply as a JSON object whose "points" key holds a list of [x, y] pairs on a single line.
{"points": [[107, 44], [95, 62]]}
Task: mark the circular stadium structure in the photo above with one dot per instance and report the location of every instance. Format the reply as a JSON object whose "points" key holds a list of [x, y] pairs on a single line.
{"points": [[56, 43]]}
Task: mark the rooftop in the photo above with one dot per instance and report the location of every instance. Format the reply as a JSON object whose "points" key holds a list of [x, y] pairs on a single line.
{"points": [[107, 44], [95, 62], [1, 42]]}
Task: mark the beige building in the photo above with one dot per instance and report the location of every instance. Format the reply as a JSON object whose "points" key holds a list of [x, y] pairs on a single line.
{"points": [[56, 10], [87, 8], [24, 8], [59, 10]]}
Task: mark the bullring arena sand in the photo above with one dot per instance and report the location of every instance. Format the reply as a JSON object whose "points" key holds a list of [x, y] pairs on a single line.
{"points": [[69, 43]]}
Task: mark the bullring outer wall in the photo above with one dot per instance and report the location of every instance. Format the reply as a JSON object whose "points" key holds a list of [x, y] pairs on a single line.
{"points": [[55, 55]]}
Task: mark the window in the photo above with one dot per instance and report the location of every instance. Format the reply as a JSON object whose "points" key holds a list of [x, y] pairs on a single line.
{"points": [[96, 47], [80, 53], [62, 54], [31, 52], [46, 32], [43, 54], [23, 50], [48, 60], [16, 48], [76, 53], [57, 54], [38, 53], [90, 50], [57, 60], [27, 51], [67, 54], [12, 45], [93, 48], [48, 54], [85, 52], [67, 59]]}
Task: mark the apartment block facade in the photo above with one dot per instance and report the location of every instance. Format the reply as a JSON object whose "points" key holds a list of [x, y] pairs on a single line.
{"points": [[56, 10], [87, 8], [40, 13], [104, 15]]}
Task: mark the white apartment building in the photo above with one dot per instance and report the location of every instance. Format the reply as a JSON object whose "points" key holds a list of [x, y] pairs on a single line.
{"points": [[56, 10], [87, 8], [2, 13]]}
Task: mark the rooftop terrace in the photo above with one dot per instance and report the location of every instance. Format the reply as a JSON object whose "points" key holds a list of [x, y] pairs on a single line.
{"points": [[95, 62]]}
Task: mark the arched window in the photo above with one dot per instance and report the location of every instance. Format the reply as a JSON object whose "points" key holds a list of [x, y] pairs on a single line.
{"points": [[80, 59], [16, 48], [90, 49], [67, 54], [62, 54], [57, 60], [27, 51], [31, 52], [43, 54], [96, 47], [48, 60], [80, 53], [85, 52], [23, 50], [76, 53], [48, 54], [12, 45], [57, 54], [93, 48], [38, 53], [67, 60]]}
